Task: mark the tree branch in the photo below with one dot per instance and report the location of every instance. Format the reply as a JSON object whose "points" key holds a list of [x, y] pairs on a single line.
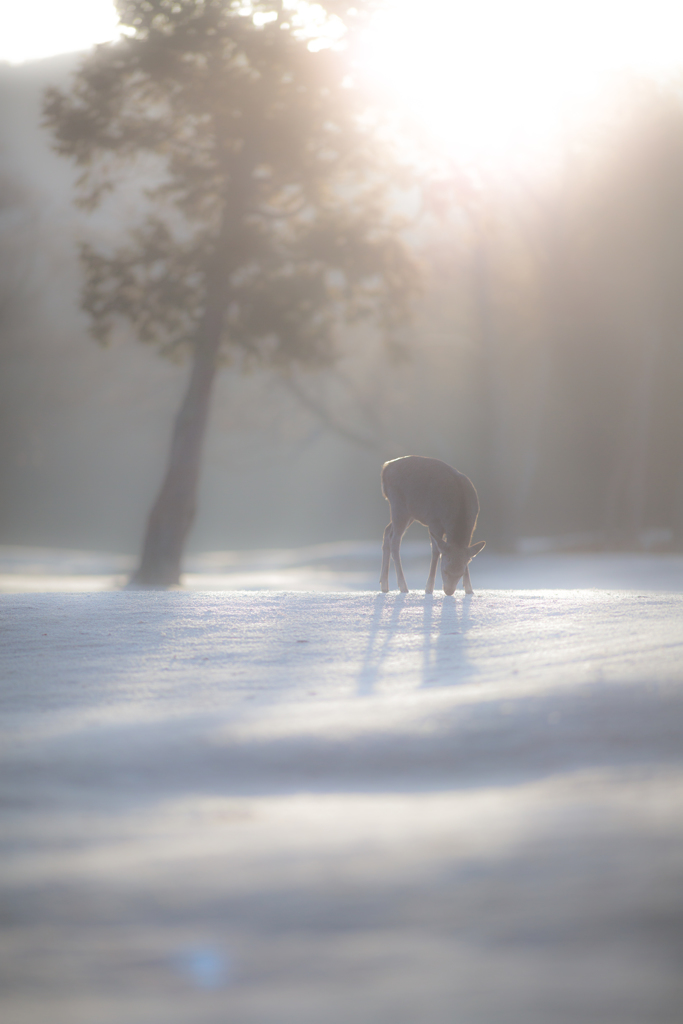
{"points": [[324, 415]]}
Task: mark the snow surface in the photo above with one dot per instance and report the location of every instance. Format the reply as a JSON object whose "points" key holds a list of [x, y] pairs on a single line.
{"points": [[322, 807], [341, 566]]}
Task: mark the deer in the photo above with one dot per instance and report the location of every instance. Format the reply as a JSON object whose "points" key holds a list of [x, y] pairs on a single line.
{"points": [[434, 494]]}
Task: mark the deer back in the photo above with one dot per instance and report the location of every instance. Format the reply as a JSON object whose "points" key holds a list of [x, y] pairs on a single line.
{"points": [[434, 494]]}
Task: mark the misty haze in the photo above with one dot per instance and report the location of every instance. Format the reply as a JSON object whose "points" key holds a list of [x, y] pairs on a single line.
{"points": [[544, 360], [249, 253]]}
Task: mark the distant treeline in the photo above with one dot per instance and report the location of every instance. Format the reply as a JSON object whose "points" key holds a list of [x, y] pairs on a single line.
{"points": [[557, 312]]}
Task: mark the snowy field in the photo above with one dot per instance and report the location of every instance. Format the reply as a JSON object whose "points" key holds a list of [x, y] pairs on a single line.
{"points": [[322, 805], [340, 567]]}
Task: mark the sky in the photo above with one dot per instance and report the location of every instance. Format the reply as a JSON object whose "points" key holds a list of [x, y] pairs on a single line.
{"points": [[486, 77], [494, 77], [34, 29]]}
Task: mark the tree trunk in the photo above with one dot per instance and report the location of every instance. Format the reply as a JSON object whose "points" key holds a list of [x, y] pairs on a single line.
{"points": [[627, 486], [493, 427], [643, 409], [174, 509]]}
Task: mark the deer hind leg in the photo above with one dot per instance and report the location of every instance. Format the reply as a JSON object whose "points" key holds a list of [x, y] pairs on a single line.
{"points": [[436, 555], [399, 525], [386, 555]]}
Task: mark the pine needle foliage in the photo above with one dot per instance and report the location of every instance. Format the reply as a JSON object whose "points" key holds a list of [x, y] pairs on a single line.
{"points": [[272, 221], [278, 196]]}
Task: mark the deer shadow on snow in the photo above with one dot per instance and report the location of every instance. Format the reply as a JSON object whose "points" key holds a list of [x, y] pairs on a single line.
{"points": [[444, 647], [418, 636]]}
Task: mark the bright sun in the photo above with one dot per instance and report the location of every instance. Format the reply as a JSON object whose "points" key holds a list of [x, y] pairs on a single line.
{"points": [[497, 81], [494, 82]]}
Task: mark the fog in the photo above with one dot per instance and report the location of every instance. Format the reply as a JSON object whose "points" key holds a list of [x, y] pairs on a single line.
{"points": [[544, 360], [301, 799]]}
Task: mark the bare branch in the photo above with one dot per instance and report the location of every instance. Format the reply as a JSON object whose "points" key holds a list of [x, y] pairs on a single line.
{"points": [[324, 414]]}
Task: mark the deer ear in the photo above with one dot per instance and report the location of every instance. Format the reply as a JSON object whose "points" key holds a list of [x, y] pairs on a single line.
{"points": [[476, 548], [439, 543]]}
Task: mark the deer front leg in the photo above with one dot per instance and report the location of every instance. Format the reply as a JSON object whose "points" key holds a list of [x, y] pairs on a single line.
{"points": [[386, 555], [436, 554], [466, 581]]}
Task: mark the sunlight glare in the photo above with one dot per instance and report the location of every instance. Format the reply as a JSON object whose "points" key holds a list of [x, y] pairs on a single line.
{"points": [[492, 82], [495, 81]]}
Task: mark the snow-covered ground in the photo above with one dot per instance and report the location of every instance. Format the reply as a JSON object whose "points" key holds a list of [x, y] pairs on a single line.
{"points": [[345, 566], [269, 807]]}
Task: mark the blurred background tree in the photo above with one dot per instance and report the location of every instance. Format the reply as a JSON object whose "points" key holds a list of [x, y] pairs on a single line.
{"points": [[545, 357], [272, 219], [563, 300]]}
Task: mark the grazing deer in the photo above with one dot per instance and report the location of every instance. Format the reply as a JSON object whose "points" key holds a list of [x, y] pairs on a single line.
{"points": [[443, 500]]}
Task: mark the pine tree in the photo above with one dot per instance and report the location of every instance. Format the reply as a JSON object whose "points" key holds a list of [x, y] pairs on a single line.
{"points": [[273, 223]]}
